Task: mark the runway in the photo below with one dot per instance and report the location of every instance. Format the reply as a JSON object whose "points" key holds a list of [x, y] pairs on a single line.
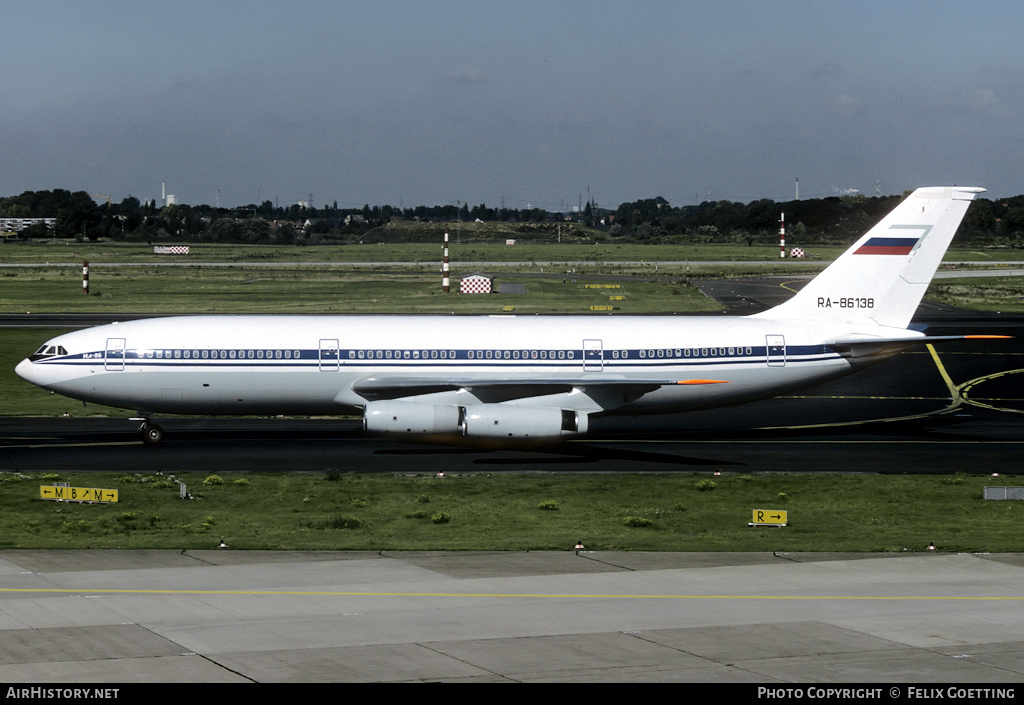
{"points": [[219, 616]]}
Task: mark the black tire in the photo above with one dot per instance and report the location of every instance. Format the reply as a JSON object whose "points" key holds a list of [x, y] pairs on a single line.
{"points": [[152, 435]]}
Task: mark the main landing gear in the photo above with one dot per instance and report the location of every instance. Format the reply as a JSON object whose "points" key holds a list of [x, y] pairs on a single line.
{"points": [[151, 434]]}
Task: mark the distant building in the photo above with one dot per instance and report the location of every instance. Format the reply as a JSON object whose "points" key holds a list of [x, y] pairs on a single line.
{"points": [[16, 225], [476, 284]]}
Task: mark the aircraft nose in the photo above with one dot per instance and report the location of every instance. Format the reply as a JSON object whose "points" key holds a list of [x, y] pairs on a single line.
{"points": [[25, 369]]}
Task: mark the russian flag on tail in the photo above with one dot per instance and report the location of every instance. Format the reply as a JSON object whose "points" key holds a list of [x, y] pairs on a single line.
{"points": [[887, 246]]}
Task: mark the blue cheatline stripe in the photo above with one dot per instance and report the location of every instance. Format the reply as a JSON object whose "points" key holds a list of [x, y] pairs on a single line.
{"points": [[311, 359]]}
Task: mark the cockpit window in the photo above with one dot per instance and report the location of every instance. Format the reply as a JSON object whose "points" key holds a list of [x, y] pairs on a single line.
{"points": [[46, 351]]}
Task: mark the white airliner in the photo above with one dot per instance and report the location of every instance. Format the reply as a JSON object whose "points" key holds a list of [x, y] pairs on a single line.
{"points": [[525, 378]]}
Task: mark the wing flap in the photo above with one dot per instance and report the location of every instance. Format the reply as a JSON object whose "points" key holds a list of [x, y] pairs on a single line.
{"points": [[398, 386]]}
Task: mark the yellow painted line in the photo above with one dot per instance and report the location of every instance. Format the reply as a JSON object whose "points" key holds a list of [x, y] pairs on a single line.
{"points": [[508, 595], [955, 403], [966, 387], [945, 375]]}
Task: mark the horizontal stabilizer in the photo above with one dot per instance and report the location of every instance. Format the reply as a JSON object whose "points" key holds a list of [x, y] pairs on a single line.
{"points": [[909, 340]]}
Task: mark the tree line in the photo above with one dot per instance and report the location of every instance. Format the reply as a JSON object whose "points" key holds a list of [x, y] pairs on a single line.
{"points": [[833, 220]]}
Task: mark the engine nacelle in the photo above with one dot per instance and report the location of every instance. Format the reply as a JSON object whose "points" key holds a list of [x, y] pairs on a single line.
{"points": [[410, 417], [506, 421]]}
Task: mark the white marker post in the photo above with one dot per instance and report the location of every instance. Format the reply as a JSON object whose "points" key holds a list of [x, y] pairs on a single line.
{"points": [[782, 235], [445, 281]]}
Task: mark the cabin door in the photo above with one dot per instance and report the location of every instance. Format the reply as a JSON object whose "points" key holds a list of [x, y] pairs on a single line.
{"points": [[593, 356], [776, 345], [329, 355], [114, 359]]}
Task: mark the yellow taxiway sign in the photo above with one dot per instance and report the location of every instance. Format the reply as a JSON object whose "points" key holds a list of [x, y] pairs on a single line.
{"points": [[769, 517], [77, 494]]}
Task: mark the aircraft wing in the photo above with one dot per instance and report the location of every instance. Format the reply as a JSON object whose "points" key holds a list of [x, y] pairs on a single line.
{"points": [[394, 387]]}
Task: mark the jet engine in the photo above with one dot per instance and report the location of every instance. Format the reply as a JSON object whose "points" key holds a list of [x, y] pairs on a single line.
{"points": [[410, 417], [475, 420], [505, 421]]}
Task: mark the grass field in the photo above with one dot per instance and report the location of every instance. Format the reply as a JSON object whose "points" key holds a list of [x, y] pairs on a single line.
{"points": [[671, 512], [472, 249], [1003, 294], [68, 252], [313, 289]]}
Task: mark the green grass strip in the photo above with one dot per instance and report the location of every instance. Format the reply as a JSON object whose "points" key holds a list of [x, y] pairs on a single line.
{"points": [[331, 510]]}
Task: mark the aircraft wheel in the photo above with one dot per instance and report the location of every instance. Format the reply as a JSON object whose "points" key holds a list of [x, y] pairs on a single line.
{"points": [[152, 435]]}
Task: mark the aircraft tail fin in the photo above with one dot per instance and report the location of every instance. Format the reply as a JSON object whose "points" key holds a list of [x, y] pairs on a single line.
{"points": [[881, 279]]}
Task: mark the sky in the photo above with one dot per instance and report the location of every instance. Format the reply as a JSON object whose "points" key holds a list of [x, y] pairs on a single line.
{"points": [[532, 103]]}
